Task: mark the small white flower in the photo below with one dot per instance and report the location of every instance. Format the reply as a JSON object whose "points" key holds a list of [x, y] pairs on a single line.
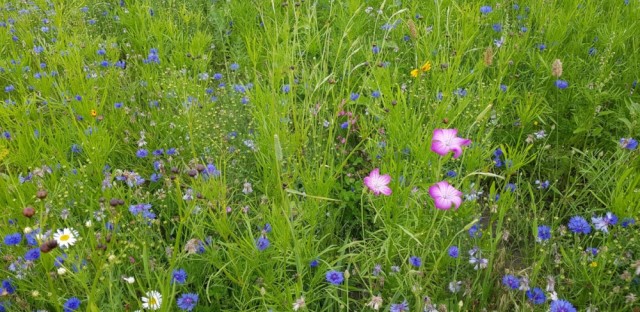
{"points": [[129, 279], [152, 301], [299, 304], [66, 237], [62, 271], [375, 303]]}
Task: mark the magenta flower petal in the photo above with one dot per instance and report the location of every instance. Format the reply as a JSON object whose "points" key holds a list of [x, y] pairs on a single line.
{"points": [[445, 141], [378, 184], [444, 195]]}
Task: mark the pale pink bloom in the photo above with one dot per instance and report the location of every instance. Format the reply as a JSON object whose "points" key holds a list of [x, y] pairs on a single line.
{"points": [[444, 195], [378, 183], [447, 140]]}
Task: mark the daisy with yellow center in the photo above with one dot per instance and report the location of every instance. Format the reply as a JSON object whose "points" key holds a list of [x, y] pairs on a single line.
{"points": [[66, 237], [152, 301]]}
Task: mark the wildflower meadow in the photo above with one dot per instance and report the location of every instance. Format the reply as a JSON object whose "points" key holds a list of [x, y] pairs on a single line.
{"points": [[319, 155]]}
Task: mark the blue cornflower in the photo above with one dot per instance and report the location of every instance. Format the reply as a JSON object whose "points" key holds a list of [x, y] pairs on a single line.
{"points": [[511, 281], [158, 152], [511, 187], [244, 100], [217, 76], [375, 49], [451, 174], [562, 84], [542, 47], [475, 231], [592, 51], [179, 276], [415, 261], [524, 29], [139, 208], [262, 243], [454, 252], [629, 143], [12, 239], [117, 105], [461, 92], [503, 88], [187, 302], [344, 125], [536, 295], [32, 254], [172, 151], [152, 57], [234, 66], [314, 263], [9, 88], [603, 223], [497, 27], [334, 277], [439, 96], [627, 222], [485, 9], [592, 250], [75, 148], [120, 64], [38, 49], [72, 304], [142, 153], [354, 96], [266, 228], [286, 88], [101, 51], [561, 306], [544, 233], [7, 287], [375, 94], [104, 63], [400, 307], [579, 225], [377, 269]]}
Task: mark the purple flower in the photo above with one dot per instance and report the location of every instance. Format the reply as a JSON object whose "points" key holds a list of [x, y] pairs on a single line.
{"points": [[12, 239], [447, 140], [536, 296], [579, 225], [187, 302], [179, 276], [286, 88], [32, 255], [626, 222], [335, 277], [139, 208], [603, 223], [630, 143], [400, 307], [592, 250], [511, 281], [561, 306], [71, 304], [7, 287], [142, 153], [454, 252], [562, 84], [234, 66], [375, 94], [497, 27], [475, 231], [415, 261], [544, 233], [485, 9], [314, 263], [262, 243]]}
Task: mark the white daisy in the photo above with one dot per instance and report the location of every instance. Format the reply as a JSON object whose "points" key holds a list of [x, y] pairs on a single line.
{"points": [[152, 301], [66, 237]]}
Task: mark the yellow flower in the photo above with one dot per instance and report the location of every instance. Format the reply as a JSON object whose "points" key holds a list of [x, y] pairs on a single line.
{"points": [[414, 73], [594, 264], [94, 113], [426, 67]]}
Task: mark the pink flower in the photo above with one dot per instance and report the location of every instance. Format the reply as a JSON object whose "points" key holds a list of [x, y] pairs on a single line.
{"points": [[444, 195], [447, 140], [378, 183]]}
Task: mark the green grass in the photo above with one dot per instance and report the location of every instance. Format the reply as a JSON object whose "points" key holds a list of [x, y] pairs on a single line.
{"points": [[296, 160]]}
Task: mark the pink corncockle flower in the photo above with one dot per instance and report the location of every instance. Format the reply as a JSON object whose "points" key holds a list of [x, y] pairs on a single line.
{"points": [[447, 140], [378, 183], [444, 195]]}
